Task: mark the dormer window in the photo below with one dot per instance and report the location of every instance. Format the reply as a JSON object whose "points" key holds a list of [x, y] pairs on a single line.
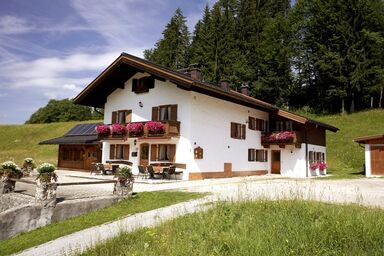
{"points": [[143, 84]]}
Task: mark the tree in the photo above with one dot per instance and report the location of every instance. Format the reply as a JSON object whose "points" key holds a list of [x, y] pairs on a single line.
{"points": [[172, 50], [62, 111]]}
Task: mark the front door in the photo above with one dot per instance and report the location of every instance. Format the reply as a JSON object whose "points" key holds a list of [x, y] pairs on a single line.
{"points": [[275, 162], [377, 160], [92, 154], [144, 154]]}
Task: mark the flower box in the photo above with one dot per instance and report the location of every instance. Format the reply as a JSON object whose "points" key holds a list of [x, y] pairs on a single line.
{"points": [[314, 167], [135, 129], [118, 130], [323, 168], [155, 128], [103, 131], [279, 137]]}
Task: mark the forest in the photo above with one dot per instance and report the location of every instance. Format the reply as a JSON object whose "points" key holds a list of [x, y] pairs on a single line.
{"points": [[325, 56]]}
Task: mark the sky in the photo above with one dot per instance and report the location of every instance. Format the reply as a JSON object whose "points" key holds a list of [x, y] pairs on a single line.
{"points": [[54, 49]]}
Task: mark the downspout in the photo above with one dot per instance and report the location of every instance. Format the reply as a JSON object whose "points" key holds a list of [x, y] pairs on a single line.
{"points": [[306, 151]]}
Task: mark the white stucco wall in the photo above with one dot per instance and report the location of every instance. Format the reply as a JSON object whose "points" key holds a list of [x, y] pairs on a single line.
{"points": [[164, 93], [292, 160], [210, 129]]}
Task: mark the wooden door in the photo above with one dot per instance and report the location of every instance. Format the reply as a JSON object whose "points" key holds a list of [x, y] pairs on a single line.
{"points": [[377, 160], [144, 154], [275, 161], [91, 155]]}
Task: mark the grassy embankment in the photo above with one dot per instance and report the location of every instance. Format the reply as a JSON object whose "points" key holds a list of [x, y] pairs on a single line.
{"points": [[20, 141], [142, 202], [259, 228], [345, 157]]}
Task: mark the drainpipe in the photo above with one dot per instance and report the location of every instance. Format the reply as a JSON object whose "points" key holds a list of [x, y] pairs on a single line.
{"points": [[306, 151]]}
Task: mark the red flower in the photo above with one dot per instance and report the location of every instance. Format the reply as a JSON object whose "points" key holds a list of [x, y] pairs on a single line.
{"points": [[135, 128], [118, 129], [155, 127], [103, 129]]}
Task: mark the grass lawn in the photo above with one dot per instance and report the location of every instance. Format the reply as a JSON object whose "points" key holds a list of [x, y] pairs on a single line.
{"points": [[142, 202], [259, 228], [345, 157]]}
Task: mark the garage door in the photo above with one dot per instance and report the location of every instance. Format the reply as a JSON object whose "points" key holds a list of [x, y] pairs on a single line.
{"points": [[377, 158]]}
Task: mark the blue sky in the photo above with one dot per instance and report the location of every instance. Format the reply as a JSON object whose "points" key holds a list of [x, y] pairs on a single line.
{"points": [[53, 49]]}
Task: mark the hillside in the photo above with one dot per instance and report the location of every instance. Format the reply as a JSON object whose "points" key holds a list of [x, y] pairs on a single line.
{"points": [[346, 157], [20, 141]]}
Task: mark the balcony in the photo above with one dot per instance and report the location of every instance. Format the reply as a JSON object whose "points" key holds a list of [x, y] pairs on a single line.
{"points": [[161, 129], [281, 139]]}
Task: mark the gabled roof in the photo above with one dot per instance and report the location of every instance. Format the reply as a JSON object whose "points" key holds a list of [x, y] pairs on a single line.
{"points": [[367, 139], [79, 134], [126, 66]]}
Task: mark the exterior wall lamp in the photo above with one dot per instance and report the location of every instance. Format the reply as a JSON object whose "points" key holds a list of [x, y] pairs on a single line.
{"points": [[140, 104]]}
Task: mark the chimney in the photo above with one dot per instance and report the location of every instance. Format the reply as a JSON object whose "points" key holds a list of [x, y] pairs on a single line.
{"points": [[195, 72], [244, 89], [224, 84]]}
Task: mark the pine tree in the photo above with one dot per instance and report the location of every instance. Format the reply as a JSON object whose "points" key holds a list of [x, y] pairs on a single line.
{"points": [[172, 50]]}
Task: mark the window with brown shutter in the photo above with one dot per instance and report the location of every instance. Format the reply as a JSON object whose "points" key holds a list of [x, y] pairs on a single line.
{"points": [[261, 155], [238, 131], [114, 117], [251, 123], [173, 113], [155, 113], [112, 152], [251, 155], [163, 152]]}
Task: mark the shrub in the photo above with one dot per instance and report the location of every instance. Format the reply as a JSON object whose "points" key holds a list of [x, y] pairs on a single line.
{"points": [[124, 173], [10, 169], [46, 168], [322, 166], [29, 162], [10, 165], [313, 166]]}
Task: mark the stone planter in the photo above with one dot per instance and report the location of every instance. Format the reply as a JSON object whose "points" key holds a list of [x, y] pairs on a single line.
{"points": [[323, 172], [315, 172], [45, 192], [7, 185], [123, 187], [27, 169]]}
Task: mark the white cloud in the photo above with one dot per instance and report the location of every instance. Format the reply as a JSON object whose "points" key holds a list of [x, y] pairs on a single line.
{"points": [[13, 25]]}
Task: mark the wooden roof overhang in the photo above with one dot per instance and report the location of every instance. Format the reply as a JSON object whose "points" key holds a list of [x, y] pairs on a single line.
{"points": [[126, 65], [372, 139]]}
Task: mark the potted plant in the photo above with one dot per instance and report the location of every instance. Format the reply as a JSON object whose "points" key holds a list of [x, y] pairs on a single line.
{"points": [[155, 128], [118, 130], [46, 183], [8, 172], [135, 129], [125, 180], [314, 168], [103, 130], [323, 168], [28, 166]]}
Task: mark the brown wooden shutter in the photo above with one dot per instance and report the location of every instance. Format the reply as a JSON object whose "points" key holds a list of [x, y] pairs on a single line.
{"points": [[243, 129], [155, 113], [265, 156], [153, 152], [174, 112], [233, 130], [126, 152], [134, 85], [114, 117], [250, 154], [172, 152], [251, 123], [128, 116], [112, 152], [150, 82]]}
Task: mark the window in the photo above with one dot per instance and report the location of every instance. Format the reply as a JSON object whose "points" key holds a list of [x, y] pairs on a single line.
{"points": [[119, 151], [258, 155], [279, 126], [251, 123], [260, 124], [143, 84], [311, 156], [288, 125], [318, 157], [121, 116], [198, 153], [238, 131], [251, 155], [164, 113], [163, 152]]}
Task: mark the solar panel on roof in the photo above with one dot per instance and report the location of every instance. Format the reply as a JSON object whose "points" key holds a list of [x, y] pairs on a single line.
{"points": [[82, 129]]}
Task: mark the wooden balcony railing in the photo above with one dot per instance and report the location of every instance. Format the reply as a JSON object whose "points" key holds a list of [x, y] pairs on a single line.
{"points": [[170, 129], [281, 138]]}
